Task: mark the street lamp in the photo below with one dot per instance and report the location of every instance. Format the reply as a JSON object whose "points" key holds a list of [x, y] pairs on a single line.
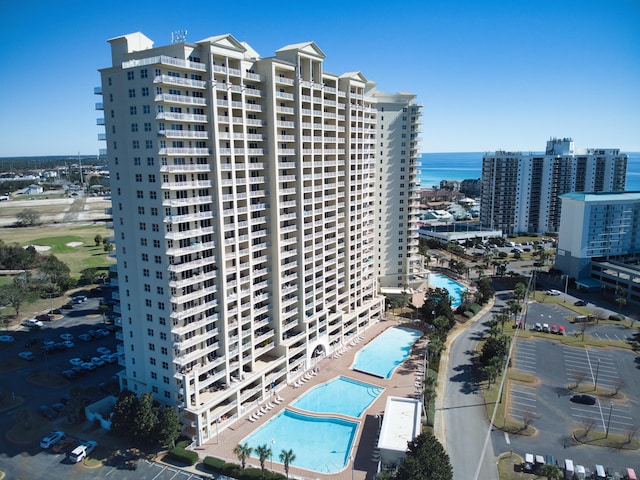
{"points": [[566, 284], [606, 433], [595, 381]]}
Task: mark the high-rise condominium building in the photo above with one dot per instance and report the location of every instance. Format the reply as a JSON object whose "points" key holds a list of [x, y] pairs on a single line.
{"points": [[599, 242], [245, 215], [520, 190]]}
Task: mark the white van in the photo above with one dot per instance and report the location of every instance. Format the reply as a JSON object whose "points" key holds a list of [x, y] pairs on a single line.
{"points": [[539, 462], [580, 472], [600, 473], [568, 469], [528, 463]]}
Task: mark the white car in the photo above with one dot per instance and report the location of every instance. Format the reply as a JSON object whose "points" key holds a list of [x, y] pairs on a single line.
{"points": [[98, 362], [103, 351], [6, 339], [68, 344], [27, 355], [76, 362], [82, 451], [66, 336], [109, 358], [553, 293], [53, 437], [32, 322]]}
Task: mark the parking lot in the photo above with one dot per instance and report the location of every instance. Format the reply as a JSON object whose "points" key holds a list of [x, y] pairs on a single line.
{"points": [[558, 368]]}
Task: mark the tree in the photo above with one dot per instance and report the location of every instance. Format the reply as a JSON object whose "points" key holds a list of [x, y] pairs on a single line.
{"points": [[425, 458], [56, 273], [494, 347], [437, 303], [617, 385], [631, 430], [579, 377], [123, 416], [552, 472], [97, 239], [491, 373], [28, 218], [587, 424], [243, 452], [287, 457], [168, 427], [484, 289], [146, 419], [621, 303], [13, 295], [264, 452], [520, 291], [528, 417]]}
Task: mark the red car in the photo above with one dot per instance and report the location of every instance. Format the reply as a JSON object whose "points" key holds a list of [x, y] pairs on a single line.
{"points": [[63, 445], [561, 330], [554, 329]]}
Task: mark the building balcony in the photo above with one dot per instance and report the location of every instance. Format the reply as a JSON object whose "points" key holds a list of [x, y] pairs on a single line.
{"points": [[185, 359], [164, 60], [183, 134], [182, 202], [182, 117], [182, 185], [184, 151], [185, 82], [180, 99]]}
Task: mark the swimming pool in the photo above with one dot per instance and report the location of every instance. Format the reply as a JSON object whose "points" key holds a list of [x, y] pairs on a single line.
{"points": [[320, 444], [383, 355], [341, 395], [454, 288]]}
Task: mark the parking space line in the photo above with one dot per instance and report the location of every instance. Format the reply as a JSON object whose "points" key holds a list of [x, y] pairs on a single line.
{"points": [[160, 473]]}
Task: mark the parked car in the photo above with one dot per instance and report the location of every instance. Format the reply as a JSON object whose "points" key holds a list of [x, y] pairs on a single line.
{"points": [[76, 362], [580, 303], [69, 374], [81, 452], [98, 362], [55, 311], [584, 399], [67, 344], [553, 293], [561, 330], [78, 299], [103, 350], [101, 332], [545, 328], [66, 336], [51, 438], [27, 356], [84, 337], [63, 445], [45, 317], [109, 358], [47, 412], [32, 322], [6, 339], [554, 329], [538, 327]]}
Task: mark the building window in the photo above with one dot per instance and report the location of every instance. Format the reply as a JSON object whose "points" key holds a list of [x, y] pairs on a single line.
{"points": [[152, 347], [143, 73], [136, 144], [142, 226], [148, 144], [132, 93], [133, 111], [159, 275], [147, 109], [152, 178], [129, 76], [150, 332], [164, 350], [147, 126], [163, 336], [145, 91], [136, 161], [167, 394], [141, 212], [139, 193], [149, 317], [147, 302], [145, 272]]}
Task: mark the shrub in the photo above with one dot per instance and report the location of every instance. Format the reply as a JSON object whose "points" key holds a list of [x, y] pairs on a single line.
{"points": [[213, 464], [231, 470], [469, 314], [617, 317], [474, 307], [186, 456], [183, 443]]}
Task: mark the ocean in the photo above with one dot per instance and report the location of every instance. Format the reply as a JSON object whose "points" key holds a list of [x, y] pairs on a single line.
{"points": [[463, 165]]}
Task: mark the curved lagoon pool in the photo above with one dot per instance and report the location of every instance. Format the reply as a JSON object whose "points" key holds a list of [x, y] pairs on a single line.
{"points": [[454, 288], [383, 355], [320, 444], [341, 395]]}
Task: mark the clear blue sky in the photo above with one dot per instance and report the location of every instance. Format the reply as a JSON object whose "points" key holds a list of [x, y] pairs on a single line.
{"points": [[490, 74]]}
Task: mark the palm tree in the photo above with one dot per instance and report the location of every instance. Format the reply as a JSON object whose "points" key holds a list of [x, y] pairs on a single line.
{"points": [[264, 452], [243, 452], [552, 472], [287, 457]]}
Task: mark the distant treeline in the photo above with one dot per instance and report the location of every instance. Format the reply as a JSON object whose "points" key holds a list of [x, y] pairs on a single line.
{"points": [[25, 164]]}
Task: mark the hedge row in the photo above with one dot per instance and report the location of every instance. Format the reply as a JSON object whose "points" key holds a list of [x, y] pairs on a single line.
{"points": [[186, 456], [217, 465]]}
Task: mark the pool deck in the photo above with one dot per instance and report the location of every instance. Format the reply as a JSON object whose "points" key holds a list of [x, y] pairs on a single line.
{"points": [[401, 384]]}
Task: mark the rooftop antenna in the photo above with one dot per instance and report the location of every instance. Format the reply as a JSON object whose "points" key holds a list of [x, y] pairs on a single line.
{"points": [[179, 36]]}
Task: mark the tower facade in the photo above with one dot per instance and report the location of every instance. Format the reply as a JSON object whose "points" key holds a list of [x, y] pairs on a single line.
{"points": [[520, 192], [244, 218]]}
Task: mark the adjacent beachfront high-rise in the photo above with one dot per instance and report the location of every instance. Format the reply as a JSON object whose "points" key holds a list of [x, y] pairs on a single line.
{"points": [[244, 206], [520, 190]]}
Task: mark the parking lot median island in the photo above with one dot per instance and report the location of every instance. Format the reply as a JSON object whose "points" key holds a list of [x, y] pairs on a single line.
{"points": [[601, 439]]}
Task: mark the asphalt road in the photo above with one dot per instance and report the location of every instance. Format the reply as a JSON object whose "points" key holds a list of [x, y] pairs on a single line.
{"points": [[464, 414]]}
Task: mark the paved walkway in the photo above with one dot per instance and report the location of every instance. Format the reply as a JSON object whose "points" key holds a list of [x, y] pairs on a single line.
{"points": [[401, 384]]}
